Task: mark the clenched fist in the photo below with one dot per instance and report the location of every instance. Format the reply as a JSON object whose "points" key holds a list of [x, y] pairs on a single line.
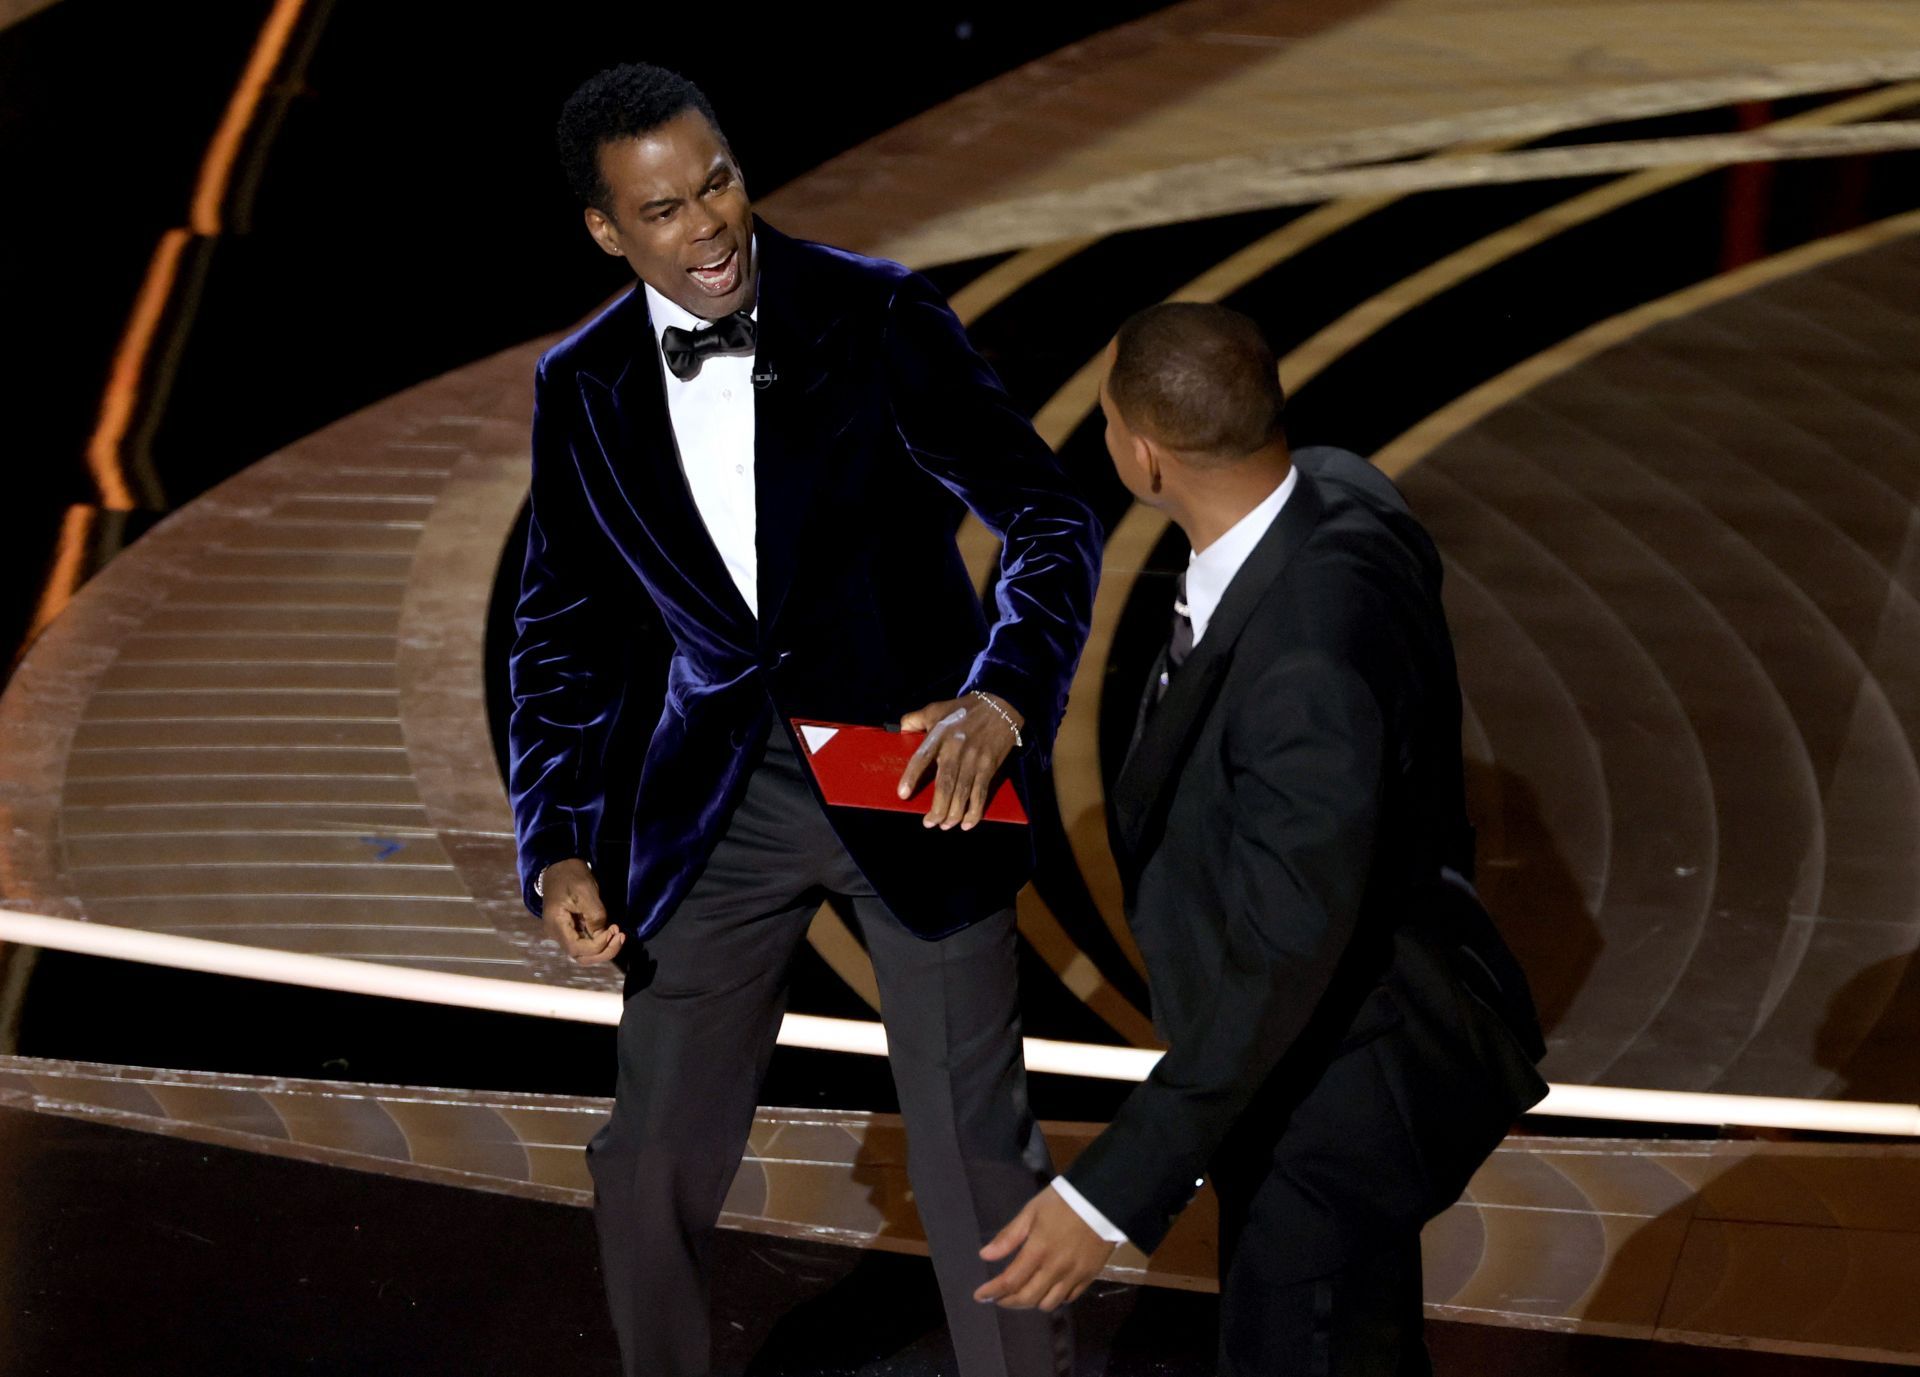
{"points": [[575, 917]]}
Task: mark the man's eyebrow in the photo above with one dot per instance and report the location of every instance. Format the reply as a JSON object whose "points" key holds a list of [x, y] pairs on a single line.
{"points": [[721, 166]]}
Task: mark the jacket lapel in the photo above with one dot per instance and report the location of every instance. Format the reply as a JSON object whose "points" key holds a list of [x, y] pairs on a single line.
{"points": [[1152, 767], [1145, 710], [629, 417], [797, 412]]}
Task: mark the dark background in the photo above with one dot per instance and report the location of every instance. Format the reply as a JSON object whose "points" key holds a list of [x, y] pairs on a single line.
{"points": [[405, 214]]}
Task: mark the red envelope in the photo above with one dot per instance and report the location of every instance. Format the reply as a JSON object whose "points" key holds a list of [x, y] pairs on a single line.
{"points": [[860, 767]]}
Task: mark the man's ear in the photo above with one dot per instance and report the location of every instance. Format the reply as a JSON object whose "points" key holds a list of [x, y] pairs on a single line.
{"points": [[605, 233], [1147, 455]]}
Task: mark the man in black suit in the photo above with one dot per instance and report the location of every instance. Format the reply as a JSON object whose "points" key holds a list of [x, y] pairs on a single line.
{"points": [[1348, 1037], [760, 452]]}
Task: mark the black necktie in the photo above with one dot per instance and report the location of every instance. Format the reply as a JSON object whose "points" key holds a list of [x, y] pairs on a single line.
{"points": [[685, 350], [1180, 644]]}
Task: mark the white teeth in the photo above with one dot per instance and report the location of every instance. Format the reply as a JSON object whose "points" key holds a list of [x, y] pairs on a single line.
{"points": [[719, 276]]}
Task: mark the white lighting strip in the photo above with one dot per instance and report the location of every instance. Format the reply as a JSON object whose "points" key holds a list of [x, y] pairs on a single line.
{"points": [[866, 1038]]}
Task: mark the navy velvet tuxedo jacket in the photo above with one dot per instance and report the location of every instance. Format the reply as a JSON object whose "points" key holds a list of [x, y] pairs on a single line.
{"points": [[879, 415]]}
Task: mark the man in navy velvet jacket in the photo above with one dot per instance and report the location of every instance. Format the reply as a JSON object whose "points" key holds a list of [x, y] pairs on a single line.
{"points": [[757, 451]]}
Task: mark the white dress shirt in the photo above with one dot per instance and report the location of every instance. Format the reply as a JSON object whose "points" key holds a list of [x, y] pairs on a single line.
{"points": [[1209, 571], [712, 417]]}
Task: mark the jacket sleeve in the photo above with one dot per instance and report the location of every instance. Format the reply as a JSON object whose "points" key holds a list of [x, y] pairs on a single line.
{"points": [[564, 669], [962, 427], [1304, 763]]}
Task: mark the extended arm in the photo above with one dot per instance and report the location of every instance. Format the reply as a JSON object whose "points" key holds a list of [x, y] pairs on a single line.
{"points": [[564, 673], [959, 424], [1305, 764], [963, 428]]}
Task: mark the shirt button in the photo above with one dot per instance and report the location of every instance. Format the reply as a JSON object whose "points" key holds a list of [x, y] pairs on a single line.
{"points": [[726, 394], [739, 468]]}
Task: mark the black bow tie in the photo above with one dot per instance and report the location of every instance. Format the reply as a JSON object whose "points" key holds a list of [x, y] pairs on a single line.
{"points": [[685, 350]]}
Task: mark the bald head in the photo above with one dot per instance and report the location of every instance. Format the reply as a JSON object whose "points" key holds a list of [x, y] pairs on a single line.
{"points": [[1199, 379]]}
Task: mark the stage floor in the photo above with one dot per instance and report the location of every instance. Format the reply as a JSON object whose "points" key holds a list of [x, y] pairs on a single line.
{"points": [[123, 1251], [1623, 295], [1803, 1248]]}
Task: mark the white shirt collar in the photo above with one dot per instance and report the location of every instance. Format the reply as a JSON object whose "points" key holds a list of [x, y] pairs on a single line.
{"points": [[1209, 571]]}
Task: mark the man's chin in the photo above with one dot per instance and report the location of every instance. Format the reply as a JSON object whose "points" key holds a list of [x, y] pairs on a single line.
{"points": [[741, 296], [737, 300]]}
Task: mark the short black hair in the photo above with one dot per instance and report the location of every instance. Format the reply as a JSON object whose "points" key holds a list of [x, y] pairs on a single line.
{"points": [[622, 102], [1199, 378]]}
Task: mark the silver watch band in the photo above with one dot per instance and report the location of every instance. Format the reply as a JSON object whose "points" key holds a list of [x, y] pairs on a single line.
{"points": [[1005, 716], [540, 879]]}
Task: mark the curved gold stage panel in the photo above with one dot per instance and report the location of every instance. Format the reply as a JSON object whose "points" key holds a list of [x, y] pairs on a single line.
{"points": [[265, 724], [1678, 515]]}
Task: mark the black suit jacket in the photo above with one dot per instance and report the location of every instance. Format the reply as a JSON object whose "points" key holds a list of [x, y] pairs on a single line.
{"points": [[1346, 1031], [879, 421]]}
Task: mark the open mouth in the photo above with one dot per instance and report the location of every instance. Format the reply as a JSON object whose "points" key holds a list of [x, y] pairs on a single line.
{"points": [[720, 276]]}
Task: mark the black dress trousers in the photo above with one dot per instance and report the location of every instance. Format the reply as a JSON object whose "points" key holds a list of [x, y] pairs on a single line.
{"points": [[704, 999], [1360, 1313]]}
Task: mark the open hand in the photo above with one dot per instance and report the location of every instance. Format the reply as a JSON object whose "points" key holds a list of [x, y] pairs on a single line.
{"points": [[967, 743], [575, 917], [1055, 1256]]}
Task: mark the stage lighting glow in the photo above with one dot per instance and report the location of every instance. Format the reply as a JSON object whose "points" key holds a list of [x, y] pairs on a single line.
{"points": [[867, 1038]]}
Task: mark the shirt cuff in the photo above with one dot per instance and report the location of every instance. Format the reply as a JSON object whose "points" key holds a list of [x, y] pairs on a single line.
{"points": [[1089, 1216]]}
